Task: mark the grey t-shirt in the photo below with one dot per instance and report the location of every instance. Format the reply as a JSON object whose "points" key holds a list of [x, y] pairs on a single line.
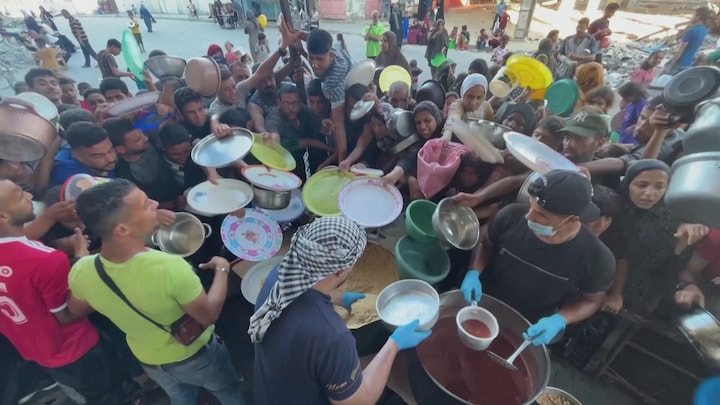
{"points": [[217, 107]]}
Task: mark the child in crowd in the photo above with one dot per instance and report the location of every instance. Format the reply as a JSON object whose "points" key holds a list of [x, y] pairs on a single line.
{"points": [[634, 99], [504, 20], [498, 55], [262, 50], [646, 72], [602, 97], [230, 56], [135, 27], [482, 40], [454, 34], [494, 42], [450, 97], [462, 41], [247, 59], [415, 72]]}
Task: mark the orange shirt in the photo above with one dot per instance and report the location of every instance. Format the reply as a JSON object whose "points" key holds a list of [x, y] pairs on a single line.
{"points": [[48, 58]]}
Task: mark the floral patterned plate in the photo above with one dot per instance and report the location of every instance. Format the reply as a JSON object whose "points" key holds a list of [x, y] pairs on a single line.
{"points": [[256, 237]]}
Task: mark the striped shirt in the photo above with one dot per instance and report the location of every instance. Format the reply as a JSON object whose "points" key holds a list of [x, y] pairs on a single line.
{"points": [[333, 82], [77, 29]]}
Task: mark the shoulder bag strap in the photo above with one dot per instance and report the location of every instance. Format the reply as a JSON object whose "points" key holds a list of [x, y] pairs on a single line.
{"points": [[111, 284]]}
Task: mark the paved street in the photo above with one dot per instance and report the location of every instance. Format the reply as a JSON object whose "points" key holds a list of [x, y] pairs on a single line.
{"points": [[183, 38]]}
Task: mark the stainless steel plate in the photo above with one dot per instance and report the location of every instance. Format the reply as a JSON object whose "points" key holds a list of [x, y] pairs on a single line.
{"points": [[361, 109], [212, 151]]}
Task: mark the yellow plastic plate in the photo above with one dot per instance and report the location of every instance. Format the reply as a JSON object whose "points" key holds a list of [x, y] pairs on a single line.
{"points": [[320, 193], [272, 154], [531, 73]]}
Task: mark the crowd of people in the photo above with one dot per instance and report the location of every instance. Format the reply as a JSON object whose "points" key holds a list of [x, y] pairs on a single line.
{"points": [[103, 309]]}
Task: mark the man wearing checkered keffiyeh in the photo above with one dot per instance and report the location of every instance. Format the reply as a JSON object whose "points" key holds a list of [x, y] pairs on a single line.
{"points": [[318, 250]]}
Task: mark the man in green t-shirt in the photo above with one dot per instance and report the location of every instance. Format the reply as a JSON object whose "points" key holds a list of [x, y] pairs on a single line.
{"points": [[373, 36], [161, 287]]}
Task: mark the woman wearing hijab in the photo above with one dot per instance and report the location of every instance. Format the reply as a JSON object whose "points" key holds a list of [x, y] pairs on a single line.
{"points": [[428, 125], [366, 152], [445, 74], [654, 237], [520, 117], [472, 104], [438, 43], [390, 53], [252, 29], [589, 76], [214, 51]]}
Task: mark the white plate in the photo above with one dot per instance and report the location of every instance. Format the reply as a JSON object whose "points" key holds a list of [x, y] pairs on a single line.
{"points": [[255, 237], [227, 196], [362, 72], [43, 106], [271, 179], [370, 202], [536, 155], [292, 212], [366, 171], [133, 104], [255, 278]]}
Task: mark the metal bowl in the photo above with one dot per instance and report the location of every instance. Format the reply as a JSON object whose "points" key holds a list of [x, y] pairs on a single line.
{"points": [[456, 225], [401, 122], [406, 300], [166, 66], [491, 131], [702, 329], [271, 199], [560, 393], [212, 151], [184, 237]]}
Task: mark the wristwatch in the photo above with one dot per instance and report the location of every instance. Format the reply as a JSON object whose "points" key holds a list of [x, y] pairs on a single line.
{"points": [[283, 52]]}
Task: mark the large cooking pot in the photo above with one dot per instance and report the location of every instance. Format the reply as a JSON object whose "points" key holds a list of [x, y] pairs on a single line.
{"points": [[702, 136], [535, 360], [271, 199], [184, 237], [25, 136], [694, 191], [401, 123], [491, 131]]}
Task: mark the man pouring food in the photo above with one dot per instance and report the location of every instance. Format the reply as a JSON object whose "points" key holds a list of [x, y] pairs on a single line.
{"points": [[541, 260], [304, 353]]}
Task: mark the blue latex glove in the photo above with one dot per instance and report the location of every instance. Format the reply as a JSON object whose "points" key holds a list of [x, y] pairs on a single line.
{"points": [[470, 284], [407, 336], [708, 393], [545, 330], [350, 297]]}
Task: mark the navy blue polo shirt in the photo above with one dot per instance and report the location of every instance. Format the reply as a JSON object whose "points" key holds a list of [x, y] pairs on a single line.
{"points": [[308, 356]]}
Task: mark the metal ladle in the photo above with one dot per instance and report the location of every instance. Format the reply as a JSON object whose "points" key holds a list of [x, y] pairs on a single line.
{"points": [[508, 363]]}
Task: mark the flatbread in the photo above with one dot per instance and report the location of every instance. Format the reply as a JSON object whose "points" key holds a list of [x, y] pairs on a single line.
{"points": [[363, 312]]}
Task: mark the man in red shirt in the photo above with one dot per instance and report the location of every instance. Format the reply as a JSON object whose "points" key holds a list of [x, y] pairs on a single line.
{"points": [[33, 309], [700, 279]]}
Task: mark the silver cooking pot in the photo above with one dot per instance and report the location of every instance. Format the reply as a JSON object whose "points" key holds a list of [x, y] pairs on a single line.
{"points": [[427, 390], [694, 191], [702, 134], [271, 199], [184, 237], [523, 194]]}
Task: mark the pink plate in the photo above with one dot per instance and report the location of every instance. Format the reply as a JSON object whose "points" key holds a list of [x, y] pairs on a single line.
{"points": [[370, 202], [256, 237]]}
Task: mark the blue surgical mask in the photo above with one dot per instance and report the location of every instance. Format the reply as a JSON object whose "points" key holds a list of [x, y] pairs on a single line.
{"points": [[540, 229]]}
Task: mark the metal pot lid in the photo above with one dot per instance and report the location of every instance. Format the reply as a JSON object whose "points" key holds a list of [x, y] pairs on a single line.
{"points": [[405, 124], [361, 109], [431, 91], [692, 86], [43, 107], [212, 151], [271, 179], [133, 104], [363, 73]]}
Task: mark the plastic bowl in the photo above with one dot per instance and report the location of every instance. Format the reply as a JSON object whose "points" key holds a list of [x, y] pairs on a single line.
{"points": [[479, 314], [429, 263], [418, 221]]}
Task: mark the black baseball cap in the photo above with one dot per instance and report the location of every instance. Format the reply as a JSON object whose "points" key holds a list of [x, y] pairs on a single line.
{"points": [[565, 192]]}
